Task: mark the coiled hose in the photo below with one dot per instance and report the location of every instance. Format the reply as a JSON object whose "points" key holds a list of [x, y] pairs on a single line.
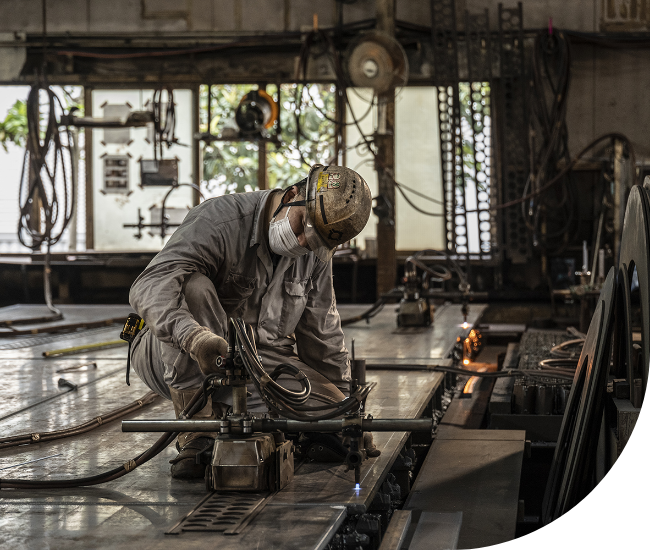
{"points": [[44, 212], [280, 400]]}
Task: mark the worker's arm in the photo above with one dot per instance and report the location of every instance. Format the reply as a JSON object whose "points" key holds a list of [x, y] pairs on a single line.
{"points": [[157, 294], [319, 336]]}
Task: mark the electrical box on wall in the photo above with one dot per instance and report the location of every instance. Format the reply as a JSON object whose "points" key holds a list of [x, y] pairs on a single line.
{"points": [[159, 172], [116, 174], [128, 179]]}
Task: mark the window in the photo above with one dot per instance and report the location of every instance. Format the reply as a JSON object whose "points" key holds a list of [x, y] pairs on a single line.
{"points": [[303, 135], [466, 150], [417, 165], [13, 130]]}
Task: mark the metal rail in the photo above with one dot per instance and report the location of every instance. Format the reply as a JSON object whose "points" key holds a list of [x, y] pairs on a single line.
{"points": [[270, 425]]}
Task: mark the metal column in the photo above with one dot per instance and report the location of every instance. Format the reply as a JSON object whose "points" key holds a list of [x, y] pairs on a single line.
{"points": [[386, 257]]}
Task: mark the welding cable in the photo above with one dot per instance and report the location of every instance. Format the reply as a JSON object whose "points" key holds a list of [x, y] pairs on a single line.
{"points": [[573, 331], [367, 315], [443, 275], [421, 195], [42, 437], [248, 350], [164, 126], [561, 351], [551, 64], [281, 400], [43, 161], [260, 376], [166, 439], [564, 364], [301, 70], [371, 104], [450, 258]]}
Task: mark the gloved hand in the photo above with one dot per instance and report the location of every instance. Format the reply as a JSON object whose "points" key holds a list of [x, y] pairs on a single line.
{"points": [[204, 347]]}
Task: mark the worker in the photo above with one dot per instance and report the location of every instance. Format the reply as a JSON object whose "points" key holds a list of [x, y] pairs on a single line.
{"points": [[264, 256]]}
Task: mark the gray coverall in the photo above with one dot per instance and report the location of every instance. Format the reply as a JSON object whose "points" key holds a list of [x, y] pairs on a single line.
{"points": [[217, 265]]}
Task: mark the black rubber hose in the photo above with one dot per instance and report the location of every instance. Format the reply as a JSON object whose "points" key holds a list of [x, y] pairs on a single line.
{"points": [[195, 405], [41, 437], [277, 397]]}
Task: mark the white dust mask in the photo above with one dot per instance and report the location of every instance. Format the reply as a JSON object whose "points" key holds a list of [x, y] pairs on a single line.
{"points": [[283, 240]]}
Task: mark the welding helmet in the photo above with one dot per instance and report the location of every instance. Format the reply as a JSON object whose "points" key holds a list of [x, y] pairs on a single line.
{"points": [[338, 204]]}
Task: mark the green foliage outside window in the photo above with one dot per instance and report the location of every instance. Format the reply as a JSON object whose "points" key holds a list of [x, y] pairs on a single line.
{"points": [[475, 116], [13, 129], [231, 166]]}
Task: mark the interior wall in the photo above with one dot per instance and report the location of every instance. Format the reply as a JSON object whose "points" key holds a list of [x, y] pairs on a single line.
{"points": [[112, 210], [169, 16], [606, 89]]}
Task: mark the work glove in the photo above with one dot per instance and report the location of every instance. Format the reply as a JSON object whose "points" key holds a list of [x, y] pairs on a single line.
{"points": [[205, 347]]}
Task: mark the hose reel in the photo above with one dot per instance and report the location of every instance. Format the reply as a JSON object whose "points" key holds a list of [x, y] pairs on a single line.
{"points": [[378, 61], [256, 112]]}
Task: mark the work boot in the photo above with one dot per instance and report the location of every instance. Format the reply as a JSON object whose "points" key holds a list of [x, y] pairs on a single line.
{"points": [[189, 444], [185, 466], [368, 445]]}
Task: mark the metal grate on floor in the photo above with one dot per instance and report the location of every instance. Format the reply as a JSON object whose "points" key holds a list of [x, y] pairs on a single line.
{"points": [[226, 513]]}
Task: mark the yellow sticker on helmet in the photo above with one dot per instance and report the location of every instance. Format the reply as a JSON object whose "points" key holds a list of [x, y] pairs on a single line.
{"points": [[328, 181], [322, 182]]}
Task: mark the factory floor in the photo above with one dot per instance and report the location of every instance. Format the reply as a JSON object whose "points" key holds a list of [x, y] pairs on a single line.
{"points": [[139, 508]]}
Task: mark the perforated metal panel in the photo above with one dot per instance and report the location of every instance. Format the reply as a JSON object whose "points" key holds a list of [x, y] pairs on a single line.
{"points": [[480, 145], [513, 135], [444, 42]]}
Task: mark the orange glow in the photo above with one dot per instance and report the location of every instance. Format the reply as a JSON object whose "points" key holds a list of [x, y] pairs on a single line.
{"points": [[469, 387], [465, 325], [465, 361]]}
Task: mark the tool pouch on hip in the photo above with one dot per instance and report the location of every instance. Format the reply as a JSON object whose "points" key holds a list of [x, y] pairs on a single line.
{"points": [[132, 326]]}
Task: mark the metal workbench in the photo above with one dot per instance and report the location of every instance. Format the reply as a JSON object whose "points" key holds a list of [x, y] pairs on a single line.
{"points": [[136, 510]]}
